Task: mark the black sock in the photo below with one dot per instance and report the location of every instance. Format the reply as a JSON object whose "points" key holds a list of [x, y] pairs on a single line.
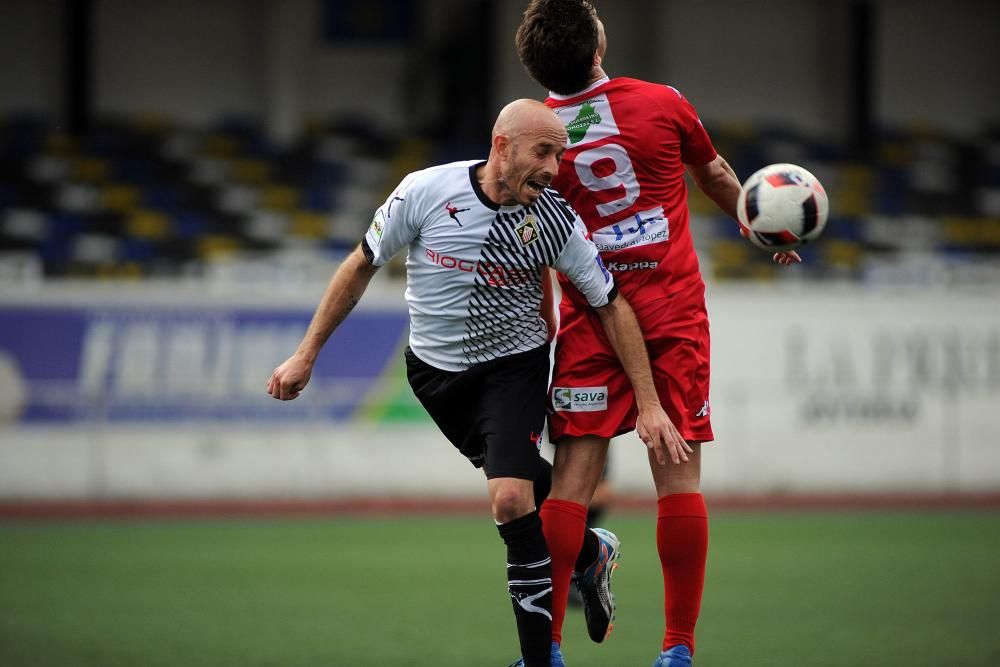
{"points": [[594, 514], [543, 482], [529, 581], [588, 552]]}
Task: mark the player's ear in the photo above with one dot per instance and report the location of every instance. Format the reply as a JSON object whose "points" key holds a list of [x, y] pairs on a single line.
{"points": [[501, 145], [602, 44]]}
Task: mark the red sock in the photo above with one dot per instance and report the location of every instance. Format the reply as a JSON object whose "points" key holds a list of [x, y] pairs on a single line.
{"points": [[563, 523], [682, 540]]}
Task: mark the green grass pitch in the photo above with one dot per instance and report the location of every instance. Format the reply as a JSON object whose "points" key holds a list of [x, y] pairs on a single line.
{"points": [[798, 589]]}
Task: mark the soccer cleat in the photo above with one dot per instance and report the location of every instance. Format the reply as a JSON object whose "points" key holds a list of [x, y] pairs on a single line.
{"points": [[594, 585], [574, 599], [677, 656], [556, 659]]}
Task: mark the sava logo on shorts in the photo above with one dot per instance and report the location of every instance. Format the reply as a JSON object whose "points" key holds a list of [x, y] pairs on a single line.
{"points": [[580, 399]]}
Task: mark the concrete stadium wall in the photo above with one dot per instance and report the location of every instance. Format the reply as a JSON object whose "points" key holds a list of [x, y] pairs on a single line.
{"points": [[816, 389], [785, 63]]}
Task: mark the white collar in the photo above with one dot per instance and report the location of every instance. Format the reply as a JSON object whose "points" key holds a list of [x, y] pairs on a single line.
{"points": [[600, 82]]}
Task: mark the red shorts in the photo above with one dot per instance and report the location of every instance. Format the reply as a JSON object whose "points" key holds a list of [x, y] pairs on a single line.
{"points": [[590, 393]]}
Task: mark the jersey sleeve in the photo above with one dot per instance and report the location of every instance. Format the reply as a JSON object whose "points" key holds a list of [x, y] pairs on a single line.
{"points": [[581, 263], [696, 145], [394, 225]]}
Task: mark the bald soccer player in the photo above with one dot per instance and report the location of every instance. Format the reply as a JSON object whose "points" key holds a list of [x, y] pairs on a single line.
{"points": [[478, 234]]}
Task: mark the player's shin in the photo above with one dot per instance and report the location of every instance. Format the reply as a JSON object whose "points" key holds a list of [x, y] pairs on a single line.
{"points": [[564, 523], [529, 581], [682, 542]]}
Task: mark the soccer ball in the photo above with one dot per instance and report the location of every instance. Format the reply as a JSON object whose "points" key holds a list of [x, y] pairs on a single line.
{"points": [[782, 207]]}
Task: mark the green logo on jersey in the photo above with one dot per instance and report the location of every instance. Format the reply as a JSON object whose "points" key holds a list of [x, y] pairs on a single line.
{"points": [[577, 128], [376, 228]]}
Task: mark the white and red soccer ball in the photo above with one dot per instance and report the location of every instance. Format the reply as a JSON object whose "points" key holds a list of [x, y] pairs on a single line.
{"points": [[782, 207]]}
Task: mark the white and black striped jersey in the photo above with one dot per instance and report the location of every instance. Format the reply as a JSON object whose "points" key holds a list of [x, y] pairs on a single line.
{"points": [[473, 268]]}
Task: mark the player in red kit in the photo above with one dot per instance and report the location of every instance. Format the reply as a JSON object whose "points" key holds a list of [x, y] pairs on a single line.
{"points": [[629, 145]]}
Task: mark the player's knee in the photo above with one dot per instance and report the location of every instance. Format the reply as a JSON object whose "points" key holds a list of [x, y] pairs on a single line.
{"points": [[512, 502], [690, 483]]}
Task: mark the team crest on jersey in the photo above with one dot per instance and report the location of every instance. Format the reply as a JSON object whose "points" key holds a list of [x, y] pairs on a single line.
{"points": [[527, 231]]}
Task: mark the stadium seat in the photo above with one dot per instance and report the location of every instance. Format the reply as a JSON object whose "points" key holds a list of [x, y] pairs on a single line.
{"points": [[156, 198]]}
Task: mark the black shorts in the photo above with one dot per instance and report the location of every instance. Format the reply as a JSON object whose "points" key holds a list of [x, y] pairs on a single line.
{"points": [[492, 412]]}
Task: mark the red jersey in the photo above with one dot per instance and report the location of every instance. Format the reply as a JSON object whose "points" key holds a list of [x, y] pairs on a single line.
{"points": [[623, 172]]}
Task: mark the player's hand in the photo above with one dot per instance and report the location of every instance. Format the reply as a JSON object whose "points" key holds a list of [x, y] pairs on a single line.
{"points": [[786, 258], [289, 379], [660, 435]]}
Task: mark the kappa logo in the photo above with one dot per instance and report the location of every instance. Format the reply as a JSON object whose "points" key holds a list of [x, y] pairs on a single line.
{"points": [[706, 410], [388, 211], [453, 212], [632, 266], [580, 399], [527, 231], [527, 601]]}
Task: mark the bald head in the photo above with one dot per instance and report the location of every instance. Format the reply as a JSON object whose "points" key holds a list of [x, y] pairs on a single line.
{"points": [[528, 143], [527, 116]]}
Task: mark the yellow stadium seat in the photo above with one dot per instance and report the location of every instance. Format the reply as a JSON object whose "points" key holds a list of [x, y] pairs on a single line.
{"points": [[856, 176], [851, 191], [146, 224], [119, 197], [90, 169], [251, 171], [150, 122], [972, 232], [895, 154], [279, 197], [850, 203], [731, 252], [217, 145], [121, 271], [60, 143], [763, 272], [841, 253], [306, 224], [699, 203], [216, 246]]}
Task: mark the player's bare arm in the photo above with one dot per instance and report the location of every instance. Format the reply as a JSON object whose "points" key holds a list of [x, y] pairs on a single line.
{"points": [[653, 425], [341, 296], [720, 183]]}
